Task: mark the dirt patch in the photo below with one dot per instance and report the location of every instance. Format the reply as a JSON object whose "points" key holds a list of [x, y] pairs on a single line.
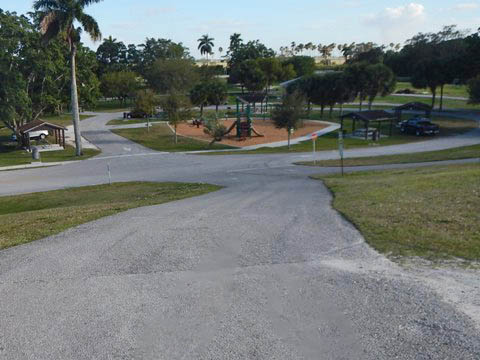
{"points": [[264, 127]]}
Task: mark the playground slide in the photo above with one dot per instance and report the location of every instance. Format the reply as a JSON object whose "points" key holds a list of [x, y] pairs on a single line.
{"points": [[231, 128], [257, 133]]}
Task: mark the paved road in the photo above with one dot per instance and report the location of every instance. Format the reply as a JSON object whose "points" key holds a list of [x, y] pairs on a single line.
{"points": [[263, 269]]}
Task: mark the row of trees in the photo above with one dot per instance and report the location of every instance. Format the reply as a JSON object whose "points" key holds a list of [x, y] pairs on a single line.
{"points": [[326, 50], [433, 60], [362, 80], [115, 56]]}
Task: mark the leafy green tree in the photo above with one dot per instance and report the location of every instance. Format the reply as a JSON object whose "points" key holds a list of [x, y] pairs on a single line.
{"points": [[121, 85], [357, 74], [303, 65], [217, 93], [89, 84], [287, 72], [177, 107], [474, 90], [199, 95], [154, 50], [211, 92], [347, 50], [321, 90], [343, 91], [206, 45], [272, 70], [288, 115], [239, 52], [369, 54], [249, 75], [15, 105], [112, 56], [59, 17], [380, 80], [146, 102], [428, 73], [177, 75], [254, 78]]}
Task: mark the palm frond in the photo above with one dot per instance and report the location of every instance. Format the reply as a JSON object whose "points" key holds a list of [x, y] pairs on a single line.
{"points": [[91, 26], [85, 3], [42, 5]]}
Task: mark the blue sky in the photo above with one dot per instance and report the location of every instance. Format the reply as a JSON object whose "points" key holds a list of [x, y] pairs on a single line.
{"points": [[276, 23]]}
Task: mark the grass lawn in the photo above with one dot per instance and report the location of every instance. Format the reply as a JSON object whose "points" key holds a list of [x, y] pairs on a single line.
{"points": [[21, 157], [63, 120], [448, 127], [430, 212], [131, 121], [110, 106], [466, 152], [161, 138], [449, 90], [25, 218]]}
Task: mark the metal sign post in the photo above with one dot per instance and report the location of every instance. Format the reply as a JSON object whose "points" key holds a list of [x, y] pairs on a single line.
{"points": [[109, 174], [340, 147], [314, 142]]}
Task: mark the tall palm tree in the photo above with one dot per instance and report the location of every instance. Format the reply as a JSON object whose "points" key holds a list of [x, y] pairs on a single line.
{"points": [[57, 17], [205, 45]]}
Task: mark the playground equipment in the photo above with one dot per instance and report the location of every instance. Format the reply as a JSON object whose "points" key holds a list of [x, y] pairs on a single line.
{"points": [[244, 123]]}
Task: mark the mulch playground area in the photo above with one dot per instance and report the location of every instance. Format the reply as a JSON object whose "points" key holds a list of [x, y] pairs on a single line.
{"points": [[264, 127]]}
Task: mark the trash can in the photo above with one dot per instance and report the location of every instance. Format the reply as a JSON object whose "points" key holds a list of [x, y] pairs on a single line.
{"points": [[35, 153]]}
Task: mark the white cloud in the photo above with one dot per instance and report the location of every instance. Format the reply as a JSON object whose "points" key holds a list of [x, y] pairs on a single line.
{"points": [[408, 13], [467, 6], [398, 23]]}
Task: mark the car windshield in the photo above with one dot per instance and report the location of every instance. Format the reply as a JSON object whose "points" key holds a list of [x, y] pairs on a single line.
{"points": [[424, 123]]}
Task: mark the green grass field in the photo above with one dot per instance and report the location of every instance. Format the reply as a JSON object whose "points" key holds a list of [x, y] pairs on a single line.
{"points": [[430, 212], [63, 120], [161, 138], [21, 157], [25, 218], [466, 152], [132, 121], [449, 90], [109, 106]]}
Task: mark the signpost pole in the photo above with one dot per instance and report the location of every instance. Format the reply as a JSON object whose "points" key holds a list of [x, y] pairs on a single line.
{"points": [[340, 148], [314, 142]]}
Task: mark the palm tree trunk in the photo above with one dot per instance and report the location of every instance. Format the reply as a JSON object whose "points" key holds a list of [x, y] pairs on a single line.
{"points": [[74, 99]]}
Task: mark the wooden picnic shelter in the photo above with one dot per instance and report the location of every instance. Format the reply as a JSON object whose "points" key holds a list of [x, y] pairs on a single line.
{"points": [[368, 117], [38, 125], [412, 106]]}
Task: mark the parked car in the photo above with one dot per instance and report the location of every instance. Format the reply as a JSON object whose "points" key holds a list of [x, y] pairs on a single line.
{"points": [[41, 134], [419, 126]]}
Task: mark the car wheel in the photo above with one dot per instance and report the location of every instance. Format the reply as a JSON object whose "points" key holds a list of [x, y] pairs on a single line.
{"points": [[42, 136], [402, 129], [418, 133]]}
